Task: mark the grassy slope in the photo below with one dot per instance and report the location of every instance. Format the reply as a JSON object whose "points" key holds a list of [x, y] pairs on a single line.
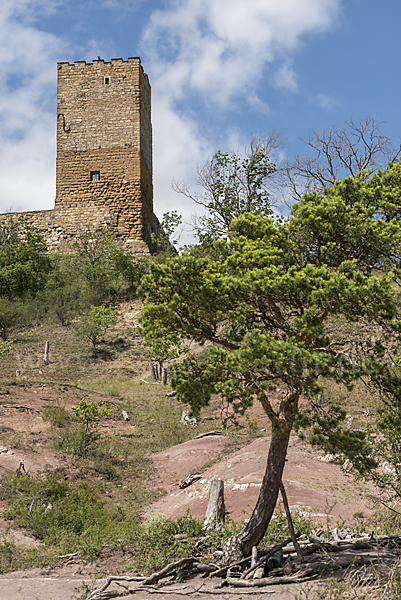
{"points": [[98, 495]]}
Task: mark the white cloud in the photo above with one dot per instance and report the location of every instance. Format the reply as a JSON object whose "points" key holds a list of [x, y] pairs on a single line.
{"points": [[285, 78], [326, 102], [27, 107], [258, 104], [28, 64], [217, 51], [219, 48]]}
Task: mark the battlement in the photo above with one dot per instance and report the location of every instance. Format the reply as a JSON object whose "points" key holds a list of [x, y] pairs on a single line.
{"points": [[104, 151], [101, 61]]}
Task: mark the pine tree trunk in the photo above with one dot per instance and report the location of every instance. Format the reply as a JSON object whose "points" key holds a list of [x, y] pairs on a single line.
{"points": [[240, 545]]}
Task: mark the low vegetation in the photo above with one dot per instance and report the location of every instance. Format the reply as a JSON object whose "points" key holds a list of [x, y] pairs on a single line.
{"points": [[310, 305]]}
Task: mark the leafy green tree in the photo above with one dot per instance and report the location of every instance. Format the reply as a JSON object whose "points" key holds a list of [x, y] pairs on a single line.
{"points": [[94, 262], [168, 236], [12, 313], [89, 414], [5, 347], [23, 261], [233, 185], [64, 296], [269, 312], [95, 324], [106, 269]]}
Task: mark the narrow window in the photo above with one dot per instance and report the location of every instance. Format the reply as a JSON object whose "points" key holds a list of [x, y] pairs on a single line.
{"points": [[95, 175], [107, 81]]}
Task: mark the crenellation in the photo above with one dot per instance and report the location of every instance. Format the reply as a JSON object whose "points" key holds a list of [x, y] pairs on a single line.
{"points": [[104, 156]]}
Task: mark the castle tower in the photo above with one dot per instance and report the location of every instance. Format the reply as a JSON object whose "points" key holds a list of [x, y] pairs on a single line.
{"points": [[104, 147]]}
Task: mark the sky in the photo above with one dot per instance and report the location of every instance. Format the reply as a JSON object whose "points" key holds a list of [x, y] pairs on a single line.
{"points": [[221, 72]]}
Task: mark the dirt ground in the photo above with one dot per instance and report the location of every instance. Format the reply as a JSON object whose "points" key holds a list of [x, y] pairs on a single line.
{"points": [[314, 484], [64, 584]]}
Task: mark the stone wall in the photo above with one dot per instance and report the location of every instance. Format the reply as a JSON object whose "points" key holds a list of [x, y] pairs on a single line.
{"points": [[104, 156]]}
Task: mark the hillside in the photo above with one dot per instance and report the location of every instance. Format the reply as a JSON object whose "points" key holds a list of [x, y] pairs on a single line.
{"points": [[135, 466]]}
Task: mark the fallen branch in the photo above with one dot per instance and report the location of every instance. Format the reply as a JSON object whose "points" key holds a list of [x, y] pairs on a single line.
{"points": [[108, 595], [202, 435], [289, 521], [154, 578], [98, 594], [189, 480], [265, 581], [266, 556]]}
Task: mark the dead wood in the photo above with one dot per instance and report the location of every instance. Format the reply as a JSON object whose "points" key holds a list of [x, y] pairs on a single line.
{"points": [[20, 406], [266, 556], [108, 595], [202, 435], [98, 594], [154, 578], [46, 358], [223, 570], [322, 562], [215, 512], [289, 521], [189, 480], [264, 581]]}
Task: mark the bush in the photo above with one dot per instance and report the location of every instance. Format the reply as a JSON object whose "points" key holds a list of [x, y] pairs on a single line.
{"points": [[70, 517], [96, 323]]}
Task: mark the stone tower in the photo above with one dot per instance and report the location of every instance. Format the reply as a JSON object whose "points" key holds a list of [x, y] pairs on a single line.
{"points": [[104, 148]]}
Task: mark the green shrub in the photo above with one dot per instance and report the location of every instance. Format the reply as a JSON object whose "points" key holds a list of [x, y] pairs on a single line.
{"points": [[69, 516], [96, 323], [57, 416]]}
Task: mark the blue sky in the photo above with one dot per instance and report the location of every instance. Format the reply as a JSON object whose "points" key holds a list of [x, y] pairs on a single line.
{"points": [[220, 70]]}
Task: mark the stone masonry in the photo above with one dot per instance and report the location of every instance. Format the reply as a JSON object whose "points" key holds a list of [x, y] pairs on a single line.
{"points": [[104, 157]]}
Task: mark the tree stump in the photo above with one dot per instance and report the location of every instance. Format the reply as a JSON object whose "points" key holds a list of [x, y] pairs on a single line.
{"points": [[215, 513], [153, 372]]}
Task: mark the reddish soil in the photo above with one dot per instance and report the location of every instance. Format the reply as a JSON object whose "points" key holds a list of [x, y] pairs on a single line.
{"points": [[315, 486]]}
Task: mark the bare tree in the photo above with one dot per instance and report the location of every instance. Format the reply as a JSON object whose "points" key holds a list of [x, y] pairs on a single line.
{"points": [[358, 149]]}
